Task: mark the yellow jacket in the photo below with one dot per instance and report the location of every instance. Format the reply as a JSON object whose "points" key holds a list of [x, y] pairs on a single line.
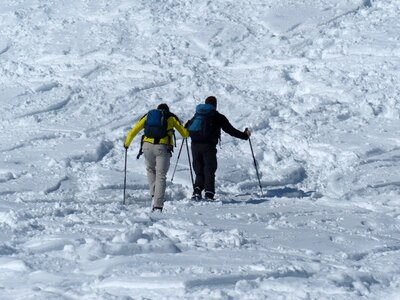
{"points": [[172, 122]]}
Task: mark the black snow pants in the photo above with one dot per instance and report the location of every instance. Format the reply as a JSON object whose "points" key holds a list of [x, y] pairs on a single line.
{"points": [[204, 165]]}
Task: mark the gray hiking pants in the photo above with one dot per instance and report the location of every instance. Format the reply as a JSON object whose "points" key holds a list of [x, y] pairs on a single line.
{"points": [[157, 158]]}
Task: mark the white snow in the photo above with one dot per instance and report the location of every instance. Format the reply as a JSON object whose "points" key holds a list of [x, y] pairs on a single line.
{"points": [[316, 81]]}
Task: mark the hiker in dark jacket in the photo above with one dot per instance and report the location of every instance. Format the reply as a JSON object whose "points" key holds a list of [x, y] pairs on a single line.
{"points": [[204, 147], [157, 152]]}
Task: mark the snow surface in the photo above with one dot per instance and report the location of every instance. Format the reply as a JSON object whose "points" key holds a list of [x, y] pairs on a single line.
{"points": [[317, 82]]}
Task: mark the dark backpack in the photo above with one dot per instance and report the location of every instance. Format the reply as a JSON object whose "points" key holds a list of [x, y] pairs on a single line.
{"points": [[156, 125], [201, 125]]}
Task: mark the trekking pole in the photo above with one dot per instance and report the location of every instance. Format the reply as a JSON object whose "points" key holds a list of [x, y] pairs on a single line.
{"points": [[190, 163], [255, 165], [126, 162], [176, 164]]}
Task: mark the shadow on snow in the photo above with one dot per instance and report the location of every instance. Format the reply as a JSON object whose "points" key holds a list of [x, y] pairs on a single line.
{"points": [[255, 198]]}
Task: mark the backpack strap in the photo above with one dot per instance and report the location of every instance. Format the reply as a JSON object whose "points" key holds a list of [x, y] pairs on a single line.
{"points": [[141, 148], [173, 133]]}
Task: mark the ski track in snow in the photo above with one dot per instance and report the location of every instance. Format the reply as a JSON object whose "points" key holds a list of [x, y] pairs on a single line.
{"points": [[316, 81]]}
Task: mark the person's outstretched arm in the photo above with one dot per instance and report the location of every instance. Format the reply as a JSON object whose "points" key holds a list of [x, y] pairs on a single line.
{"points": [[134, 131], [229, 129], [181, 129]]}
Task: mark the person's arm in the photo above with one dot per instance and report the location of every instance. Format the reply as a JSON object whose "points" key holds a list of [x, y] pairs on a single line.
{"points": [[181, 129], [229, 129], [134, 131]]}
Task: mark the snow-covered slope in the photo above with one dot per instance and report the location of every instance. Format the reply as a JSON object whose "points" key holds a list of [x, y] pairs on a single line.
{"points": [[317, 82]]}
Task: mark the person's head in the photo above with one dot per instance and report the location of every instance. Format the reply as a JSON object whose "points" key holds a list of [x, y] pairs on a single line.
{"points": [[211, 100], [163, 106]]}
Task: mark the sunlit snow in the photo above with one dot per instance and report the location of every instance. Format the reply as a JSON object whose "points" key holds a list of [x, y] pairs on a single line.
{"points": [[316, 81]]}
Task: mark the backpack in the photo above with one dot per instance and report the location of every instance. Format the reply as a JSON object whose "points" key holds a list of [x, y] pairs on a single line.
{"points": [[156, 124], [156, 127], [201, 125]]}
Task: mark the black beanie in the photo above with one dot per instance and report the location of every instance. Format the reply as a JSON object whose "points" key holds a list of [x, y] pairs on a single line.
{"points": [[163, 106], [211, 100]]}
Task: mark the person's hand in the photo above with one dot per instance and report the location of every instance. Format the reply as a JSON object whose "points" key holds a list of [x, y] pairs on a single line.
{"points": [[248, 132], [126, 146]]}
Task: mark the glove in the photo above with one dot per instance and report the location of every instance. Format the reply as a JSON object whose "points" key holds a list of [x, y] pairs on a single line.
{"points": [[248, 132], [126, 147]]}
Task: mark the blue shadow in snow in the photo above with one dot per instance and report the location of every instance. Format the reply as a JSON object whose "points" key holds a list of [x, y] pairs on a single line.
{"points": [[285, 192], [288, 192]]}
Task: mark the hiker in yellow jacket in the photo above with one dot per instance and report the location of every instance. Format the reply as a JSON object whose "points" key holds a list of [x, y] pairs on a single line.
{"points": [[157, 145]]}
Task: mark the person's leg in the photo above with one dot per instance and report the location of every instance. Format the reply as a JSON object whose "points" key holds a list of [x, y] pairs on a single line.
{"points": [[163, 157], [198, 167], [150, 159], [210, 167]]}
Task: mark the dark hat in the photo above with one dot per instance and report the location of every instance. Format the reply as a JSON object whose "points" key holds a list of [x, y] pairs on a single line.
{"points": [[211, 100], [163, 106]]}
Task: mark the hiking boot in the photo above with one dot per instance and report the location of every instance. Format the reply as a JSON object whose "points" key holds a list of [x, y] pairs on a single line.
{"points": [[156, 209], [209, 195], [196, 197], [196, 194]]}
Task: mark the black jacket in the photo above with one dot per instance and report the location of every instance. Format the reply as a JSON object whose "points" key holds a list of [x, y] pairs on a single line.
{"points": [[221, 122]]}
